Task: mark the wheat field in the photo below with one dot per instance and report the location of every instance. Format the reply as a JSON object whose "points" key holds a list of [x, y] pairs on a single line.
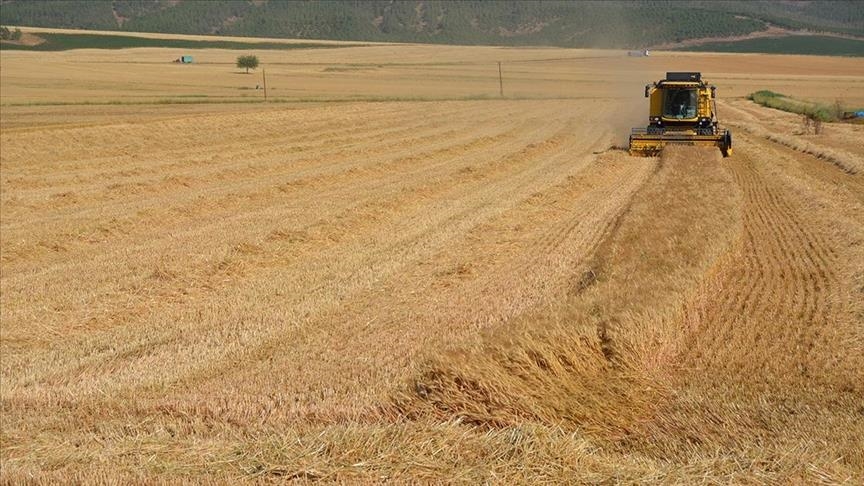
{"points": [[390, 273]]}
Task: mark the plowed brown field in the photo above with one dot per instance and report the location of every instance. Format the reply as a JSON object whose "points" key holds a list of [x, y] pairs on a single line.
{"points": [[390, 274]]}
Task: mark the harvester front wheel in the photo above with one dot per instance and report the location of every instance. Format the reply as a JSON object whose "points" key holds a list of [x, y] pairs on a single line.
{"points": [[726, 148]]}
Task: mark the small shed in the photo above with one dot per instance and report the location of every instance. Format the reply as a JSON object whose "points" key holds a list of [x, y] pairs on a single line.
{"points": [[186, 59]]}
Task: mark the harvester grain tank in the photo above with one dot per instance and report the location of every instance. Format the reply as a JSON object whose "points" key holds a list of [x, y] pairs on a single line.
{"points": [[683, 111]]}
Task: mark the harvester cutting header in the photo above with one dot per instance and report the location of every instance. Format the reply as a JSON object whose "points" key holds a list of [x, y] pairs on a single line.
{"points": [[683, 111]]}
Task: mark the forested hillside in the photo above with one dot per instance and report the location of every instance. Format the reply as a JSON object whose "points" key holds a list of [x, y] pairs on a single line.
{"points": [[576, 24]]}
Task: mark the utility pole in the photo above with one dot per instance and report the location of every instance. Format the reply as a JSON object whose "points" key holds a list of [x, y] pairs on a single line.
{"points": [[500, 81], [264, 74]]}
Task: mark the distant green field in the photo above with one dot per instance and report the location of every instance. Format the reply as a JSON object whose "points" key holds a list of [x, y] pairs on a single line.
{"points": [[63, 42], [813, 110], [799, 44]]}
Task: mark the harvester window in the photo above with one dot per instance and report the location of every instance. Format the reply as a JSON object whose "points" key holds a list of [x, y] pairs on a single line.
{"points": [[680, 103]]}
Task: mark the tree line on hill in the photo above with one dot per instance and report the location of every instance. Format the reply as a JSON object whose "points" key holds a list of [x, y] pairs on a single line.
{"points": [[620, 24], [8, 34]]}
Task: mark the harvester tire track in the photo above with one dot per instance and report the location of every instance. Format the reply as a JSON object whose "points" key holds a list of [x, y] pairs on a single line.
{"points": [[782, 272]]}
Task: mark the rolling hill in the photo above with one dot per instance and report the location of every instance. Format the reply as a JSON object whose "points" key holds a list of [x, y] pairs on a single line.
{"points": [[615, 24]]}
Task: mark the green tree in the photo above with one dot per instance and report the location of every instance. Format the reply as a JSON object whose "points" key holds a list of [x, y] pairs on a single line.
{"points": [[248, 62], [6, 34]]}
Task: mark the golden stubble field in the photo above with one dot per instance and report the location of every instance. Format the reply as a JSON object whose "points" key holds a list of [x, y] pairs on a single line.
{"points": [[388, 273]]}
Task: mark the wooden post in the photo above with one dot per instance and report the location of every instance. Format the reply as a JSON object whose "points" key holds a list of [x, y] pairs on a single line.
{"points": [[264, 74], [500, 81]]}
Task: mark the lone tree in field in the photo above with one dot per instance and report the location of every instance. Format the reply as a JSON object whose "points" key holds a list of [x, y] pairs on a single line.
{"points": [[248, 62]]}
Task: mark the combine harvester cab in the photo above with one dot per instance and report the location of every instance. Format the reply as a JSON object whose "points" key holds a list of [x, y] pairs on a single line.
{"points": [[683, 111]]}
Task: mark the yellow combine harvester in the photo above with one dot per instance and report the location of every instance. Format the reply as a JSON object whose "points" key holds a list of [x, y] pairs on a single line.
{"points": [[683, 112]]}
